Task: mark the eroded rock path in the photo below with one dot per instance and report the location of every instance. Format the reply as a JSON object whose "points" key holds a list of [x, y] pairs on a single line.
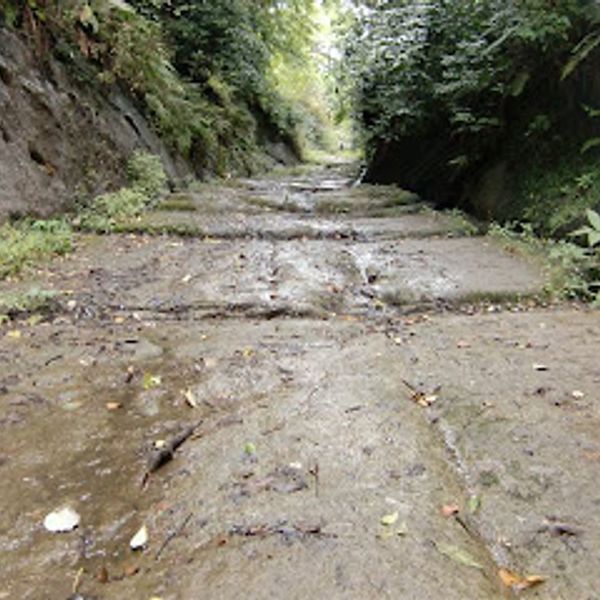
{"points": [[343, 357]]}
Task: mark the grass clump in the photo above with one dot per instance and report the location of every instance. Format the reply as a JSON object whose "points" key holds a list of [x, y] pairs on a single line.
{"points": [[28, 242], [34, 301], [146, 175], [147, 182], [572, 270]]}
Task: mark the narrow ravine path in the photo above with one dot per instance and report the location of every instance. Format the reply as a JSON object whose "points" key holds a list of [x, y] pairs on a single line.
{"points": [[350, 373]]}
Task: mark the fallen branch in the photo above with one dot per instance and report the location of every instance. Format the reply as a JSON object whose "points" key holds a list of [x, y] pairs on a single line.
{"points": [[165, 454], [173, 535]]}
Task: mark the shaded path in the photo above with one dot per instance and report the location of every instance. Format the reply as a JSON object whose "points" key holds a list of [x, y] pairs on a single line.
{"points": [[292, 311]]}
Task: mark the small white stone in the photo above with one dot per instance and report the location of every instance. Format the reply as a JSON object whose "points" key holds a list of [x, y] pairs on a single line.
{"points": [[62, 520]]}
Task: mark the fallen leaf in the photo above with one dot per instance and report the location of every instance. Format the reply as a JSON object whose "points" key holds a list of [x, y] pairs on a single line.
{"points": [[424, 400], [102, 575], [73, 405], [458, 555], [62, 520], [119, 320], [390, 532], [15, 334], [249, 449], [388, 520], [474, 504], [131, 570], [517, 582], [113, 405], [159, 444], [248, 352], [151, 381], [421, 398], [398, 341], [190, 398], [186, 279], [539, 367], [140, 539], [577, 394], [448, 510]]}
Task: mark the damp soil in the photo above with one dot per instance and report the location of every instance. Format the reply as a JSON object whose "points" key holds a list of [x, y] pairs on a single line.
{"points": [[329, 368]]}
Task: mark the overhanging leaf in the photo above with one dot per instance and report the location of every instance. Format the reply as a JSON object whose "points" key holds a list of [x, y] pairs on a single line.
{"points": [[581, 52], [591, 143], [593, 218]]}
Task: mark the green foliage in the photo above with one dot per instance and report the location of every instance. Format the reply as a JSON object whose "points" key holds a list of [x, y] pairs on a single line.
{"points": [[554, 199], [147, 175], [591, 231], [34, 300], [225, 49], [28, 242], [200, 71], [573, 271], [452, 66], [147, 182]]}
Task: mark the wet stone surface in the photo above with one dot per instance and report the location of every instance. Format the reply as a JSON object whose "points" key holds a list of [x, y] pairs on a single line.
{"points": [[290, 350]]}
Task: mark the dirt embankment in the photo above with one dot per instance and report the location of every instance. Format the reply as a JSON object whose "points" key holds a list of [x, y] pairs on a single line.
{"points": [[60, 138]]}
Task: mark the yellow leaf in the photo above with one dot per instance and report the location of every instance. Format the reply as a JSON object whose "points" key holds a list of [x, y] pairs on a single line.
{"points": [[388, 520], [151, 381], [518, 582], [15, 334]]}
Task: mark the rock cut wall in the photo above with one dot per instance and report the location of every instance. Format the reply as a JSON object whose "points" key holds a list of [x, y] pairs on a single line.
{"points": [[59, 140]]}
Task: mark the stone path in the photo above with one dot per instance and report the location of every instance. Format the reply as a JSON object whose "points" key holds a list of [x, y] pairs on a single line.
{"points": [[352, 370]]}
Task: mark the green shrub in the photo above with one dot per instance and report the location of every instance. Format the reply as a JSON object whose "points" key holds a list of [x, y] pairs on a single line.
{"points": [[147, 181], [34, 300], [146, 175], [126, 202], [27, 242]]}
